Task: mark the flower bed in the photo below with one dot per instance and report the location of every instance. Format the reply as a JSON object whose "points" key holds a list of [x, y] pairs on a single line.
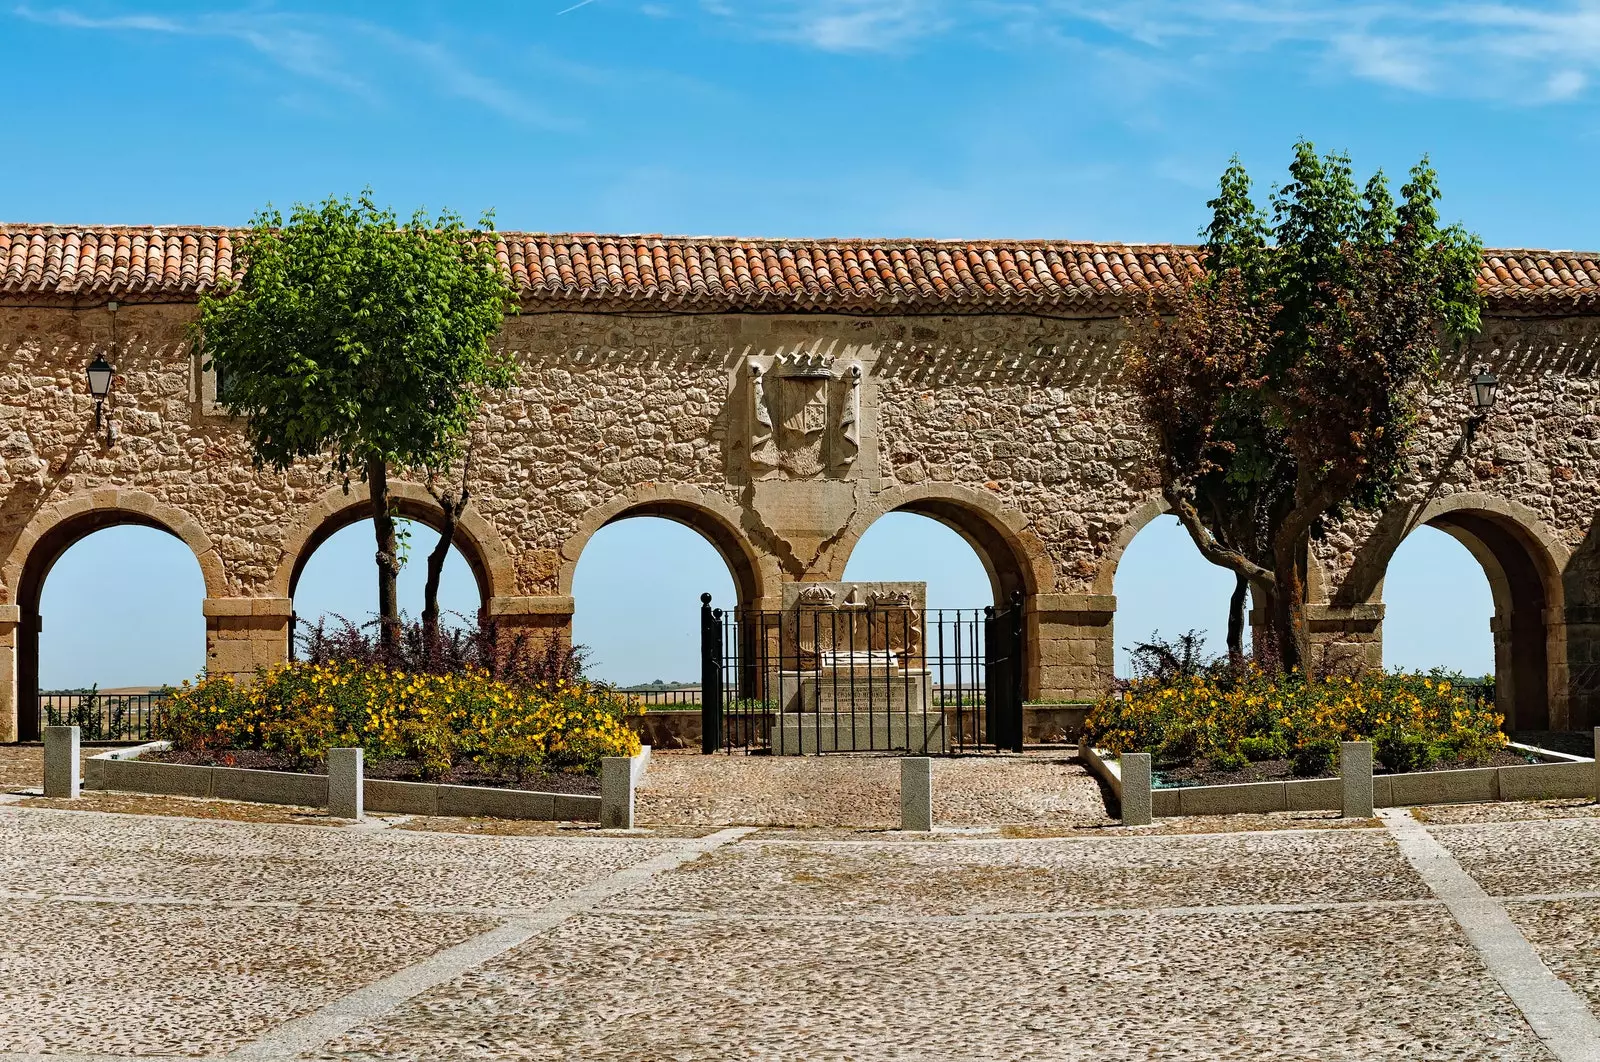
{"points": [[1203, 727], [428, 726]]}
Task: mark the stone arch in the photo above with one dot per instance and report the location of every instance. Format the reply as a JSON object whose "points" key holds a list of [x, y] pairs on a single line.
{"points": [[480, 544], [56, 529], [1012, 555], [718, 521], [1523, 562]]}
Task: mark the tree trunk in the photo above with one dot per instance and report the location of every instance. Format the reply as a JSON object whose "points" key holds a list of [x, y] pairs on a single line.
{"points": [[1289, 613], [436, 559], [388, 554], [1236, 618]]}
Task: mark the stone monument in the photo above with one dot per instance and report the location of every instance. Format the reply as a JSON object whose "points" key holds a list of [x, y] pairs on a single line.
{"points": [[852, 674]]}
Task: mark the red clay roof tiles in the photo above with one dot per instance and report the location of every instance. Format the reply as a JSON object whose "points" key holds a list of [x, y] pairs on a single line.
{"points": [[587, 271]]}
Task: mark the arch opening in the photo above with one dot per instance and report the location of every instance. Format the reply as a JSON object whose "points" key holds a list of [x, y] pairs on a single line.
{"points": [[636, 589], [126, 605], [1164, 587], [910, 546], [335, 573], [1524, 591]]}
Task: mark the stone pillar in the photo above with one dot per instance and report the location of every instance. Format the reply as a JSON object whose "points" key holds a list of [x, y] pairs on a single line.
{"points": [[616, 792], [61, 762], [246, 633], [11, 696], [1345, 640], [1355, 779], [1138, 798], [1597, 764], [916, 793], [538, 618], [1583, 666], [1071, 649], [346, 784]]}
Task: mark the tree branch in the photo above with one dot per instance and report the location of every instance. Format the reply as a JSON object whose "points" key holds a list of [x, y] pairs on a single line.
{"points": [[1209, 547]]}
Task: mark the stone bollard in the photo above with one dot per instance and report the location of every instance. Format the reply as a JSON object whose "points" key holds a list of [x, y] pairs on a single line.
{"points": [[61, 762], [916, 793], [346, 780], [616, 792], [1355, 779], [1138, 803]]}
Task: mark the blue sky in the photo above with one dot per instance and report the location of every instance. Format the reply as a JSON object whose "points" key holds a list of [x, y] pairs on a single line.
{"points": [[1043, 118]]}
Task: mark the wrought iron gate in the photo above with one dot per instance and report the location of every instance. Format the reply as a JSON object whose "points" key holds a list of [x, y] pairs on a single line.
{"points": [[867, 679]]}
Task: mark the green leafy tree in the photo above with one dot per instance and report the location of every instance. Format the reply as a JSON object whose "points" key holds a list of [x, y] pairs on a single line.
{"points": [[1282, 389], [350, 336]]}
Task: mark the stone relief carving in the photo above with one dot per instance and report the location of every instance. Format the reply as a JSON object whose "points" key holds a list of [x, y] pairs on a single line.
{"points": [[805, 417], [853, 625]]}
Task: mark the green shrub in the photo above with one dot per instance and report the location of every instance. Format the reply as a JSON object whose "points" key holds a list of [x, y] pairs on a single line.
{"points": [[1263, 747], [1314, 756], [1399, 752]]}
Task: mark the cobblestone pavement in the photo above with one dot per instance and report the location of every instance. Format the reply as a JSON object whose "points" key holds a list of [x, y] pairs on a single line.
{"points": [[149, 935], [1044, 788]]}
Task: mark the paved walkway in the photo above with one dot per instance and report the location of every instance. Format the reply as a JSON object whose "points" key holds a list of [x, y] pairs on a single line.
{"points": [[157, 936]]}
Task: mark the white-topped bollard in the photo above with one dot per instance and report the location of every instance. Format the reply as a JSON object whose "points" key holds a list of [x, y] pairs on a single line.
{"points": [[1355, 779], [916, 793], [616, 792], [61, 762], [1138, 801], [346, 781]]}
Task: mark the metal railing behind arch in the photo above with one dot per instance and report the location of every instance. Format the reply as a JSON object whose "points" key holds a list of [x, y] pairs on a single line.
{"points": [[868, 679]]}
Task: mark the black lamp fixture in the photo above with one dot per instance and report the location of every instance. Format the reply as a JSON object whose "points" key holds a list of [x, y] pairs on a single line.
{"points": [[101, 373], [1484, 387]]}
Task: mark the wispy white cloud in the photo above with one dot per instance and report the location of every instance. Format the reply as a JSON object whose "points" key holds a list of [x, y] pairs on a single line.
{"points": [[322, 49], [837, 25], [1526, 51]]}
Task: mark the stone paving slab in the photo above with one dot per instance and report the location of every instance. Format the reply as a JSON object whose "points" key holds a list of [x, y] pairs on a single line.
{"points": [[1322, 985], [102, 978], [1516, 858], [864, 791], [140, 856], [803, 878]]}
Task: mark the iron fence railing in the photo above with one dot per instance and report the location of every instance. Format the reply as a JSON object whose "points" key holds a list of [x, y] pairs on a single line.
{"points": [[861, 679], [687, 697], [104, 716]]}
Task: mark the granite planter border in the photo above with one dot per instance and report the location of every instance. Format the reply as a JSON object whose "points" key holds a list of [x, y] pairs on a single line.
{"points": [[123, 771], [1573, 777]]}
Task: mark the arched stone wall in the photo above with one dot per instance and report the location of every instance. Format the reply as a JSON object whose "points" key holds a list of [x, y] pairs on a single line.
{"points": [[781, 435], [54, 530]]}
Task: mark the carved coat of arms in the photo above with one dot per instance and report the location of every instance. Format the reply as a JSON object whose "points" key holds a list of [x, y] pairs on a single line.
{"points": [[804, 418]]}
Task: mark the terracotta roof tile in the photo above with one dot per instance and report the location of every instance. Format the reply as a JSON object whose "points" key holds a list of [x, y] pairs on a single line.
{"points": [[588, 271]]}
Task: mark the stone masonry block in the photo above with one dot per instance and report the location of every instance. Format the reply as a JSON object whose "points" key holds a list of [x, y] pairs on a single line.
{"points": [[616, 792], [1355, 776], [345, 784], [1137, 805], [916, 793], [61, 762]]}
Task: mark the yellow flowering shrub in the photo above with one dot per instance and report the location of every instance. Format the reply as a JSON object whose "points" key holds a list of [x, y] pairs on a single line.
{"points": [[302, 710], [1413, 720]]}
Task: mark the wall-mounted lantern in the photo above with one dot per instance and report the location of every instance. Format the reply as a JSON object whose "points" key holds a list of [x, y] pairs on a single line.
{"points": [[1484, 388], [1483, 392], [101, 373]]}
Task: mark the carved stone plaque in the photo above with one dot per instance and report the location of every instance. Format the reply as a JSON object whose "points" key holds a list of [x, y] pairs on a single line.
{"points": [[805, 417]]}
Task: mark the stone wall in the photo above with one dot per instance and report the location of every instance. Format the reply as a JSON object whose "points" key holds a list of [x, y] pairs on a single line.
{"points": [[1012, 429]]}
